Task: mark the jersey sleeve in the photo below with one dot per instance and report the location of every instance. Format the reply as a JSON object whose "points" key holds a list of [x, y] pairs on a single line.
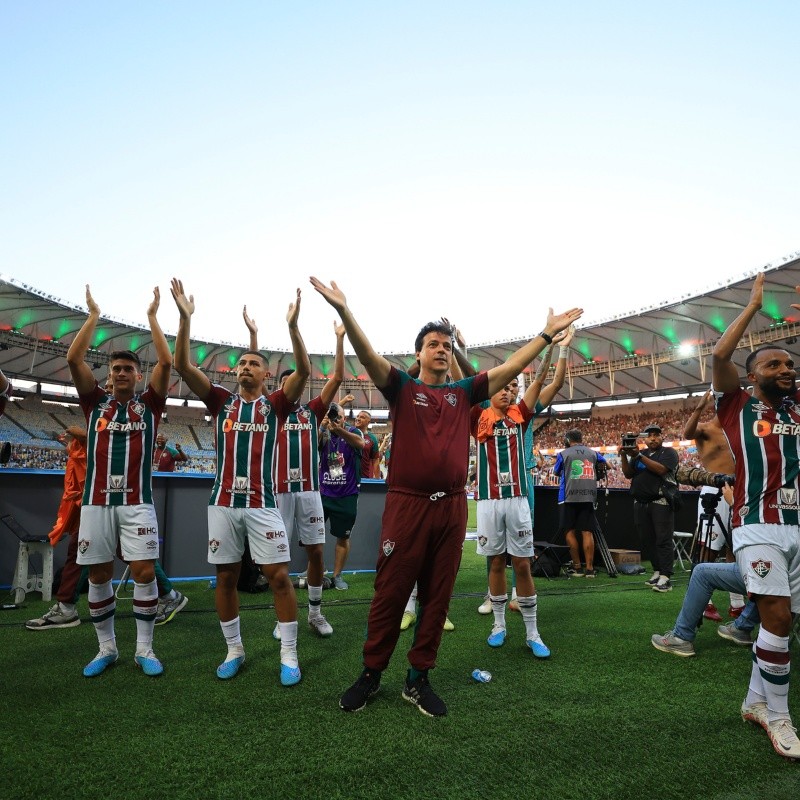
{"points": [[729, 404], [318, 408], [90, 400], [154, 401], [394, 384], [217, 398], [559, 465]]}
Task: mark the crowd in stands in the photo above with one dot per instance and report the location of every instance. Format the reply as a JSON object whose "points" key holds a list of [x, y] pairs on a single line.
{"points": [[31, 427]]}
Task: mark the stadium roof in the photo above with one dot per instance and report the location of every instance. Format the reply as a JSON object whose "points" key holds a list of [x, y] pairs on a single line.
{"points": [[652, 351]]}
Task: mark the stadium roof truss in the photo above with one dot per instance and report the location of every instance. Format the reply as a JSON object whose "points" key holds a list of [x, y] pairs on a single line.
{"points": [[653, 351]]}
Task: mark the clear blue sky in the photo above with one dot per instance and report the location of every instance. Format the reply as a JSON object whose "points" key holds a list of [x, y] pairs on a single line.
{"points": [[477, 160]]}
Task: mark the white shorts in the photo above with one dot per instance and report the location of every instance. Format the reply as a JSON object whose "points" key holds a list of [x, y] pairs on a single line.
{"points": [[717, 533], [504, 526], [770, 565], [262, 528], [135, 527], [302, 512]]}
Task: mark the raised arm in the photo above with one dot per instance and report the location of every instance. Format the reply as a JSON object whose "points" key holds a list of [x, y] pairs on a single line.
{"points": [[726, 378], [552, 389], [296, 382], [377, 367], [159, 378], [500, 376], [253, 330], [461, 367], [534, 389], [82, 376], [331, 387], [691, 430], [195, 379]]}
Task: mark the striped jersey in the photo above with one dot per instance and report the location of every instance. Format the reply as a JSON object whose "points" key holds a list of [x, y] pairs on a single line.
{"points": [[765, 443], [119, 445], [501, 468], [297, 459], [246, 434], [430, 434]]}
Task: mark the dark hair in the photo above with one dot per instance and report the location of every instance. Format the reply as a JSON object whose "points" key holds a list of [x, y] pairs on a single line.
{"points": [[432, 327], [125, 355], [285, 374], [252, 353], [574, 435], [751, 359]]}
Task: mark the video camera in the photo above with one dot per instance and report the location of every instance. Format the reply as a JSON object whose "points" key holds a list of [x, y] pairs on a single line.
{"points": [[629, 439]]}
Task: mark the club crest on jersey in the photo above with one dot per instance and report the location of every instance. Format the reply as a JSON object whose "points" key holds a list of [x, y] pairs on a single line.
{"points": [[83, 545], [138, 409], [264, 409], [388, 548], [744, 511], [304, 414], [451, 398], [213, 545], [761, 568]]}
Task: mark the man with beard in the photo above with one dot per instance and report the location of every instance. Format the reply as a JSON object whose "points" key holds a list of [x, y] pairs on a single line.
{"points": [[762, 430]]}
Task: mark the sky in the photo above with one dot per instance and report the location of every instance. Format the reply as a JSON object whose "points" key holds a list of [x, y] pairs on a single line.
{"points": [[481, 161]]}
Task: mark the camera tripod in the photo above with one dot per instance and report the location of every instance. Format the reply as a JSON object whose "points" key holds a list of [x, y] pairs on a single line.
{"points": [[600, 544], [701, 549]]}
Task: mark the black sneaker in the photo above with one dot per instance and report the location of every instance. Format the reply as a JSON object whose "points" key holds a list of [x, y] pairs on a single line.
{"points": [[355, 698], [424, 698], [663, 586]]}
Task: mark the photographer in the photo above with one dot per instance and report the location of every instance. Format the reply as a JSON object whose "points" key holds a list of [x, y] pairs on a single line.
{"points": [[648, 471]]}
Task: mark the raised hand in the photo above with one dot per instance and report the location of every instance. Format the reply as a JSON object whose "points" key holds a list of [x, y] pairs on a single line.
{"points": [[757, 292], [558, 322], [250, 323], [333, 294], [185, 304], [293, 314], [90, 303], [152, 309], [338, 329]]}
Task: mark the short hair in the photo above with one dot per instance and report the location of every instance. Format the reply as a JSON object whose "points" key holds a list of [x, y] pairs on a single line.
{"points": [[574, 435], [366, 412], [285, 374], [125, 355], [252, 353], [751, 359], [432, 327]]}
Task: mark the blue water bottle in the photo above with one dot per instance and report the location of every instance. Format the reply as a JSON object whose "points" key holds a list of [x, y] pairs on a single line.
{"points": [[481, 675]]}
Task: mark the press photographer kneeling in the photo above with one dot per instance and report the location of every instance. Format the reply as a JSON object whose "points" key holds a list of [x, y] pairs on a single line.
{"points": [[652, 475]]}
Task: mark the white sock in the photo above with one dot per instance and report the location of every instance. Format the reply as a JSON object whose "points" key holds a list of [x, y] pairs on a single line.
{"points": [[528, 609], [499, 609], [102, 605], [289, 643], [233, 637], [314, 601], [145, 606], [66, 608], [737, 600], [772, 660]]}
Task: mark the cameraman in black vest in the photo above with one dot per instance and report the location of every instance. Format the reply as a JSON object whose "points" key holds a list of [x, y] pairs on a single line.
{"points": [[648, 470]]}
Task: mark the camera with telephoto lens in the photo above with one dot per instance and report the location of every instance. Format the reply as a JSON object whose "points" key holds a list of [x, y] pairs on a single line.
{"points": [[721, 480], [333, 413]]}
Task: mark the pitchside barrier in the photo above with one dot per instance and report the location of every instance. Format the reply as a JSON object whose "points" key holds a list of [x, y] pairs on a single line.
{"points": [[181, 500]]}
